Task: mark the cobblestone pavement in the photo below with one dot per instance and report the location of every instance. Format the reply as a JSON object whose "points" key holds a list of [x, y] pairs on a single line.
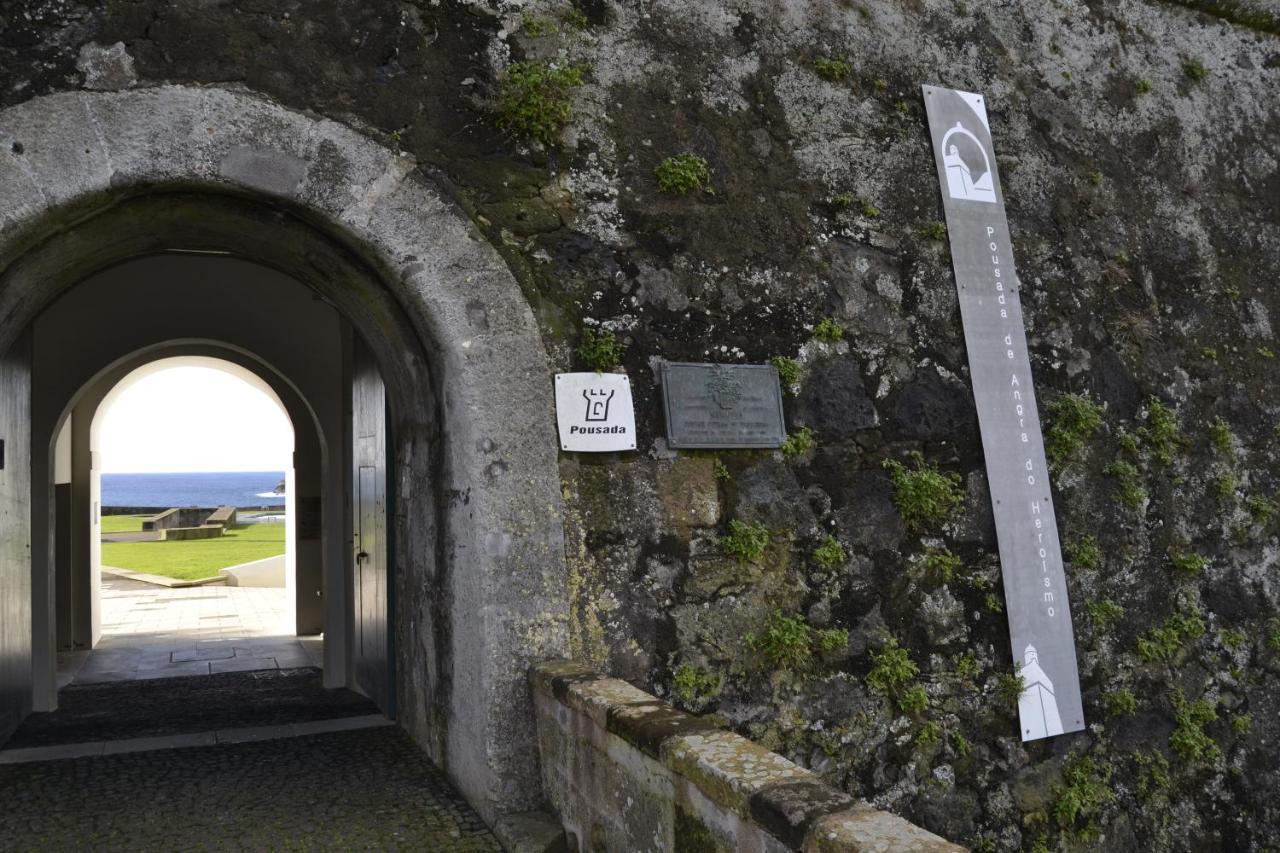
{"points": [[371, 789]]}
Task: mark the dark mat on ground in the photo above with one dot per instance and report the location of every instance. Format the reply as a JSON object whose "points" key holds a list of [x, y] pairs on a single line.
{"points": [[127, 709], [371, 789]]}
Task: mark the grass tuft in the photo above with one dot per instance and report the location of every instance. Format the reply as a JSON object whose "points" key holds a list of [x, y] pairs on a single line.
{"points": [[534, 99]]}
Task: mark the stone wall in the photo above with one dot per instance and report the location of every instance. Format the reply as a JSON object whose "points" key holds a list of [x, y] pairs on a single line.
{"points": [[171, 518], [625, 771], [1138, 142]]}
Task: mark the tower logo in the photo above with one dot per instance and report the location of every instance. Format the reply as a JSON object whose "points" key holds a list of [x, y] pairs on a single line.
{"points": [[598, 400]]}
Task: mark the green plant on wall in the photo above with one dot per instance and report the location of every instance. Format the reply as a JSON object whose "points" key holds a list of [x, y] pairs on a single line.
{"points": [[682, 174], [1120, 703], [934, 230], [1104, 613], [1073, 420], [1084, 552], [832, 70], [1161, 432], [828, 331], [1084, 792], [1129, 479], [798, 442], [967, 667], [788, 371], [924, 495], [929, 735], [1186, 562], [1189, 739], [600, 350], [694, 687], [1220, 435], [1009, 688], [1163, 642], [941, 566], [790, 644], [1261, 508], [745, 541], [830, 553], [892, 674], [534, 99], [784, 642]]}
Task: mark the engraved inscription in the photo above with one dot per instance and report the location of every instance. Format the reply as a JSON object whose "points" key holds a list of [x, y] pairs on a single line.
{"points": [[710, 405]]}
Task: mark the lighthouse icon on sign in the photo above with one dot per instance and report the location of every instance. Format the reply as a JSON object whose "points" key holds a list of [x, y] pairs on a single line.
{"points": [[964, 179], [1037, 706]]}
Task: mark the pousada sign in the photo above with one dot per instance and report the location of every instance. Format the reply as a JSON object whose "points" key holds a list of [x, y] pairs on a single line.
{"points": [[990, 310]]}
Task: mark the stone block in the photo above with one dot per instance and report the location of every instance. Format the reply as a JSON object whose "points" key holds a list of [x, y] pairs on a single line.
{"points": [[106, 68], [863, 829], [688, 492], [787, 810], [728, 768], [648, 725]]}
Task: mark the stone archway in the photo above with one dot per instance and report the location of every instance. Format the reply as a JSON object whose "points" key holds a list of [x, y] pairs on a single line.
{"points": [[89, 180]]}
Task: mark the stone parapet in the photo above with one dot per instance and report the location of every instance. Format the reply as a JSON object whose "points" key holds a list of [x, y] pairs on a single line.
{"points": [[626, 771]]}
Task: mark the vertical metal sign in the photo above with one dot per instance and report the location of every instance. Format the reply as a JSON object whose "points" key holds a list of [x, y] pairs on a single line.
{"points": [[1026, 529]]}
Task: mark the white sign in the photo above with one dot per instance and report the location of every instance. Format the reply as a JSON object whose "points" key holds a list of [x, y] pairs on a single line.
{"points": [[595, 412]]}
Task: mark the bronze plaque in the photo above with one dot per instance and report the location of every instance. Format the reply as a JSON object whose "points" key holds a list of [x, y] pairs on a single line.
{"points": [[722, 405]]}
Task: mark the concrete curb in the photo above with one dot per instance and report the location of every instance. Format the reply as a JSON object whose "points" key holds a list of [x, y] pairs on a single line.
{"points": [[94, 749], [160, 580]]}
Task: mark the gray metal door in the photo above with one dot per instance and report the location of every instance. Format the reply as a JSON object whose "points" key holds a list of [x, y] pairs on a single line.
{"points": [[371, 637]]}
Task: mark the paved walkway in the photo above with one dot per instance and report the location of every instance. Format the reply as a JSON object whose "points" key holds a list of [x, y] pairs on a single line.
{"points": [[263, 761], [157, 632], [370, 789]]}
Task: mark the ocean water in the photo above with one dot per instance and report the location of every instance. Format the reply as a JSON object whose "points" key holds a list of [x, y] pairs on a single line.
{"points": [[240, 488]]}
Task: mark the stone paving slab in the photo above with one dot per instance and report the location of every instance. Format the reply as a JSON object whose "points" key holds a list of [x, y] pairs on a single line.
{"points": [[370, 789], [168, 706], [249, 734]]}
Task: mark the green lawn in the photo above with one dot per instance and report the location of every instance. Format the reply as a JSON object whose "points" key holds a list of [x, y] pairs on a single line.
{"points": [[196, 558], [122, 523]]}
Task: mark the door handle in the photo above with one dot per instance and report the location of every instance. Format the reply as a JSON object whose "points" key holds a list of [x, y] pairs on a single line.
{"points": [[362, 556]]}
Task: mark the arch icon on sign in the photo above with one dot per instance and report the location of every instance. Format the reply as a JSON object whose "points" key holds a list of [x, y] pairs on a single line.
{"points": [[961, 183]]}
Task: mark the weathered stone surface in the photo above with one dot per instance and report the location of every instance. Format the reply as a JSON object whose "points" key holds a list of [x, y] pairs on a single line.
{"points": [[932, 408], [689, 493], [834, 402], [728, 768], [788, 810], [869, 831], [647, 726], [106, 68]]}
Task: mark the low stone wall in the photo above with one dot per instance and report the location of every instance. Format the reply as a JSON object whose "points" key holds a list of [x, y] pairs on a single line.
{"points": [[183, 533], [223, 516], [625, 771], [171, 518]]}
